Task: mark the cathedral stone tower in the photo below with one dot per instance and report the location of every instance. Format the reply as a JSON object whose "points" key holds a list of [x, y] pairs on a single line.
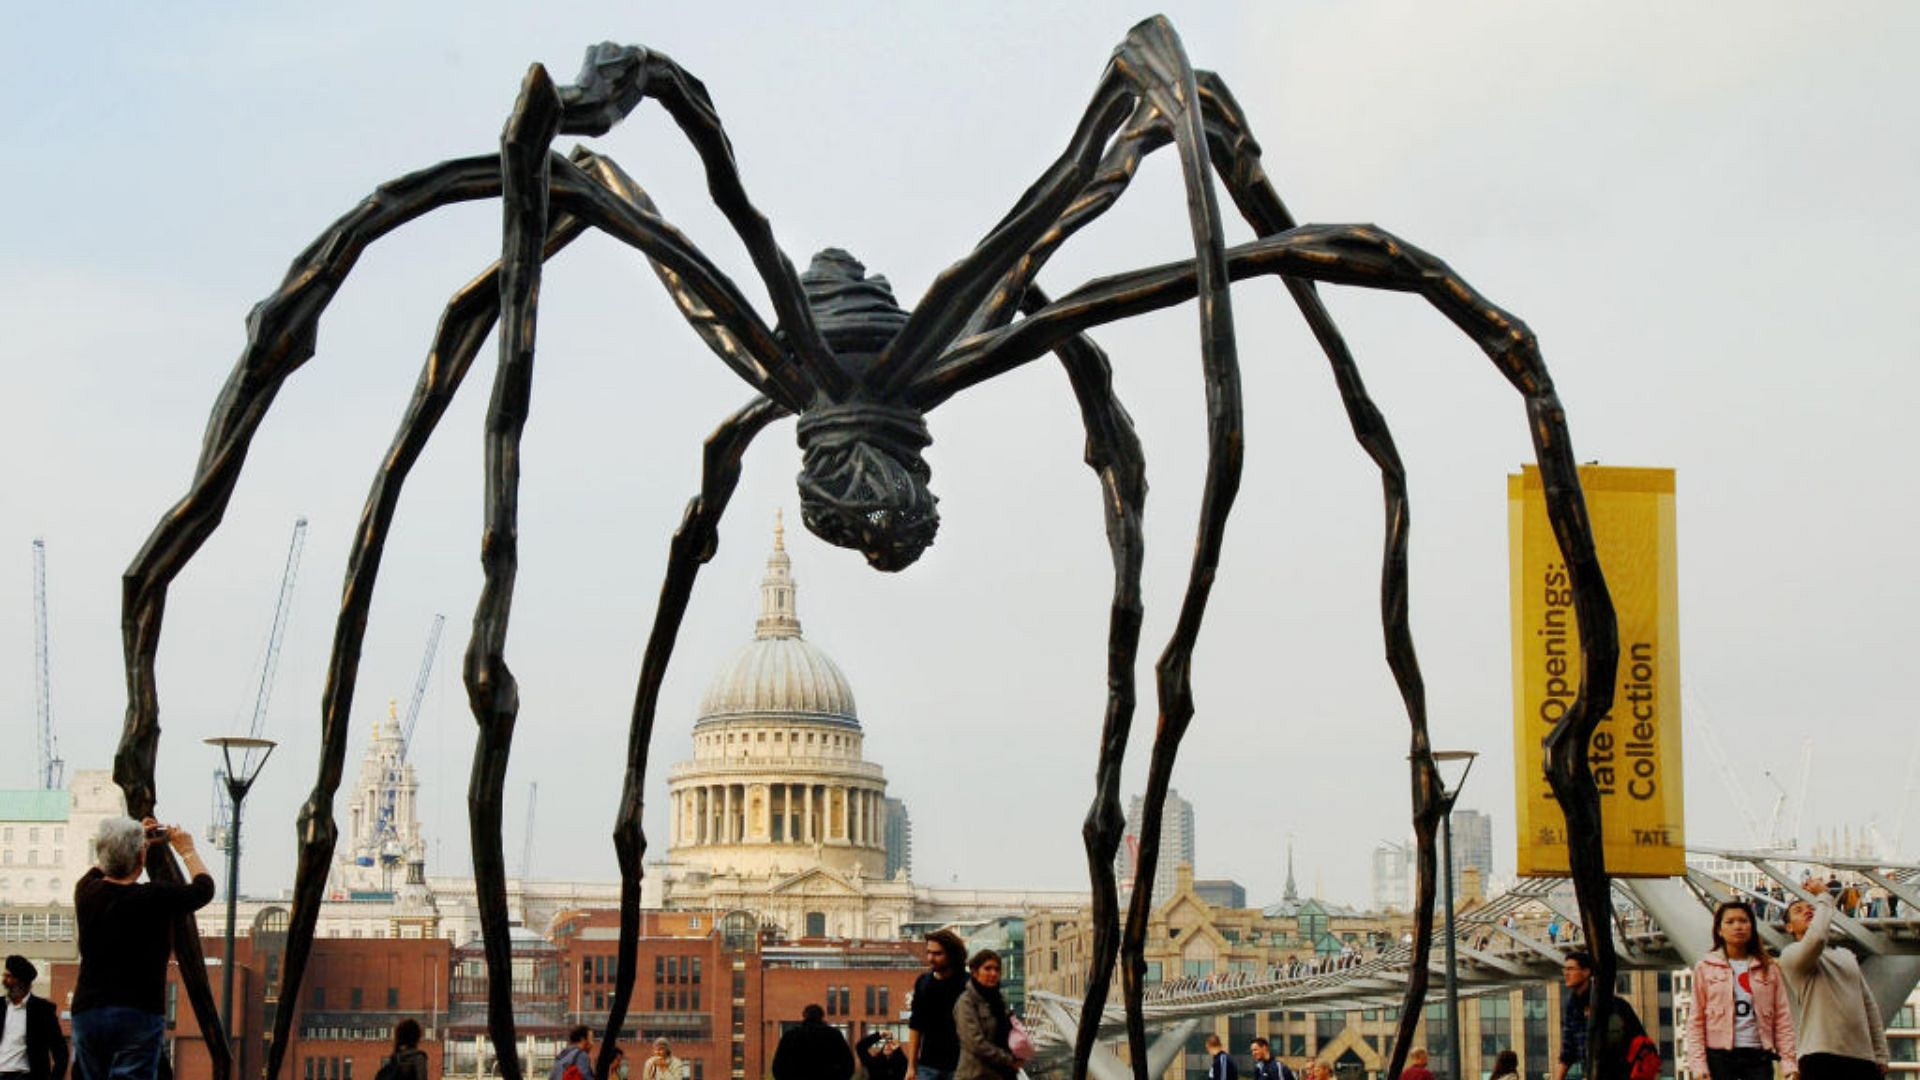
{"points": [[383, 850]]}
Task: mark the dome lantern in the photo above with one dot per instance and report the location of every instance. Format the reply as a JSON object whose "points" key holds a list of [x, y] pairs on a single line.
{"points": [[779, 674]]}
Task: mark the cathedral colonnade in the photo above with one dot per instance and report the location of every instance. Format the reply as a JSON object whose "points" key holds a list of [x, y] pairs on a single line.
{"points": [[779, 812]]}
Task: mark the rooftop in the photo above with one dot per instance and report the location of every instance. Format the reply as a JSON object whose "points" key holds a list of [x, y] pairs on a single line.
{"points": [[34, 805]]}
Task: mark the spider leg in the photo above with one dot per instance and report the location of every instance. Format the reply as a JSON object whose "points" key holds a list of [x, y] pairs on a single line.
{"points": [[618, 206], [469, 317], [1113, 451], [694, 544], [280, 338], [613, 82], [1369, 257], [1151, 78], [1135, 82], [1168, 85], [492, 693], [464, 325], [1236, 158]]}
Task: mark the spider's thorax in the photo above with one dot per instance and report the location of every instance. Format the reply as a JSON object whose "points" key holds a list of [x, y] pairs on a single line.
{"points": [[863, 483]]}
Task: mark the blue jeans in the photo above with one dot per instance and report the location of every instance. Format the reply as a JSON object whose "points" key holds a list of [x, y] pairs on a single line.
{"points": [[928, 1072], [117, 1043]]}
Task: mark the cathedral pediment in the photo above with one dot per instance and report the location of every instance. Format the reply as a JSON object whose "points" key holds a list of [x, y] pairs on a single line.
{"points": [[815, 881]]}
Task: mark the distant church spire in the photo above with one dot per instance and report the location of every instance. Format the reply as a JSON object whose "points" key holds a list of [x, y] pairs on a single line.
{"points": [[777, 616], [1292, 892]]}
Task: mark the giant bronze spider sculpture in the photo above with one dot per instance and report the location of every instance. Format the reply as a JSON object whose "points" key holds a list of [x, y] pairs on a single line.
{"points": [[861, 374]]}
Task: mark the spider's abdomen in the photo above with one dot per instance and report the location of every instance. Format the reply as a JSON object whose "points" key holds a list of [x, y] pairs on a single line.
{"points": [[863, 483], [856, 313]]}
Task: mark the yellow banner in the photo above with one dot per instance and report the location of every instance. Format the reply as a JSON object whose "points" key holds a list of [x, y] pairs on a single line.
{"points": [[1635, 752]]}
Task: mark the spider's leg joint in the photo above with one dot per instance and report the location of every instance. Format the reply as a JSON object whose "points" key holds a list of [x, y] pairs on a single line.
{"points": [[612, 83]]}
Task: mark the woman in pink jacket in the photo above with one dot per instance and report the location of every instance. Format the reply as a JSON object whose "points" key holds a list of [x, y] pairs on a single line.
{"points": [[1739, 1022]]}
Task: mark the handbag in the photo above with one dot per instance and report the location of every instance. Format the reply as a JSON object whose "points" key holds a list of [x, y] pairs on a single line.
{"points": [[1019, 1040]]}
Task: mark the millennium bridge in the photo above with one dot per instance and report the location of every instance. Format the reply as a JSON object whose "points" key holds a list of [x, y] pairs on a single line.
{"points": [[1658, 924]]}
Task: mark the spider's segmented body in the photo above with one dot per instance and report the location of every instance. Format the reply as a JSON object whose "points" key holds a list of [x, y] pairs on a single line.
{"points": [[863, 483]]}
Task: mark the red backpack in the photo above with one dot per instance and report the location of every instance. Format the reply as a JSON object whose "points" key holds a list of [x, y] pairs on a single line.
{"points": [[1643, 1059]]}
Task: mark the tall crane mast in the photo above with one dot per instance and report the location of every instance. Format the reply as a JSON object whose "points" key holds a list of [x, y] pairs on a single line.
{"points": [[53, 771], [420, 681], [222, 829], [385, 836], [526, 842]]}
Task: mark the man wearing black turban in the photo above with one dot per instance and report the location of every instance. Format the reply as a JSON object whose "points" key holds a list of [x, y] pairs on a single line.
{"points": [[32, 1046]]}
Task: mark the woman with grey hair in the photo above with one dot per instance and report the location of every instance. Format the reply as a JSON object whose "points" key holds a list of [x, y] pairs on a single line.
{"points": [[126, 937]]}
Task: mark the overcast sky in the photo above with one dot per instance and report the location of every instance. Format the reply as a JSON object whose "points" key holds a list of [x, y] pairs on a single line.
{"points": [[1706, 212]]}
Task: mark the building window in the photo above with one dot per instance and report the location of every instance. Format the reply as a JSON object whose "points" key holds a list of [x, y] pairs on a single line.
{"points": [[872, 998], [319, 997], [393, 997], [586, 969], [885, 1008], [354, 998], [696, 970]]}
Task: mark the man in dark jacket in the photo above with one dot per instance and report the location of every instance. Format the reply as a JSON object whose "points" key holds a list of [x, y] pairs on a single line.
{"points": [[813, 1051], [1623, 1024], [933, 1046], [1220, 1064], [32, 1047]]}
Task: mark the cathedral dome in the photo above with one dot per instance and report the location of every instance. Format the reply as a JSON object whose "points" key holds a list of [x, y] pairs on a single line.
{"points": [[779, 677], [779, 674]]}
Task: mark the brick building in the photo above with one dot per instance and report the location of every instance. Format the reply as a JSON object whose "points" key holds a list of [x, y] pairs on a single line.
{"points": [[715, 985]]}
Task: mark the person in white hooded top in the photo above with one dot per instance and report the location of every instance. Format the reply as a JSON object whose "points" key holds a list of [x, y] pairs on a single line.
{"points": [[1839, 1031]]}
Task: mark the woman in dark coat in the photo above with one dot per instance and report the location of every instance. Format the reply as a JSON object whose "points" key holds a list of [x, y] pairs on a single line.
{"points": [[983, 1023], [409, 1061]]}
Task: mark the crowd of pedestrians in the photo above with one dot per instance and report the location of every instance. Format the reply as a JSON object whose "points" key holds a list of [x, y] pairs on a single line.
{"points": [[1856, 898], [1809, 1011], [1296, 968]]}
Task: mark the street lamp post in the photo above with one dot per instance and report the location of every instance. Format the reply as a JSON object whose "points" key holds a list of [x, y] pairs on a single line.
{"points": [[238, 781], [1448, 793]]}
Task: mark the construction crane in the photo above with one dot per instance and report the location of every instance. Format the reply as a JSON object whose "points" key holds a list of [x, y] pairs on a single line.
{"points": [[1906, 799], [222, 830], [53, 771], [1730, 780], [1800, 798], [385, 835], [526, 841]]}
